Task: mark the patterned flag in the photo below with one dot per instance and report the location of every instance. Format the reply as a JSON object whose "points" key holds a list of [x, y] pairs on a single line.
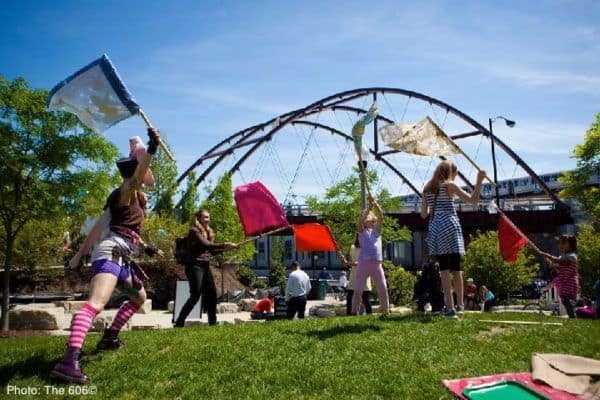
{"points": [[258, 209], [424, 138], [314, 237], [510, 238], [358, 130], [96, 94]]}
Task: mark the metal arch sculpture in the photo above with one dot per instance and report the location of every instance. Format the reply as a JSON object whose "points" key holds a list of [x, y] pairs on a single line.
{"points": [[247, 137]]}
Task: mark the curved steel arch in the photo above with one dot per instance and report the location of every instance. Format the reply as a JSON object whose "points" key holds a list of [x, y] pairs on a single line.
{"points": [[335, 131], [336, 101]]}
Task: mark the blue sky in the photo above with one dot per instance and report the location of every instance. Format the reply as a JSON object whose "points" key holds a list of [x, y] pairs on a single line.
{"points": [[203, 70]]}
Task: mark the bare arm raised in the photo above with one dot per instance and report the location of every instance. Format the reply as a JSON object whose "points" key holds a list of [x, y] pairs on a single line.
{"points": [[473, 198], [135, 182]]}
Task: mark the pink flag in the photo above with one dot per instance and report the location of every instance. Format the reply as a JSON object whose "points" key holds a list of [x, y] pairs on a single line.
{"points": [[258, 209]]}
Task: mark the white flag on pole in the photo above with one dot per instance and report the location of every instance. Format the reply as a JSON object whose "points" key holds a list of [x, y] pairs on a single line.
{"points": [[424, 138], [96, 94]]}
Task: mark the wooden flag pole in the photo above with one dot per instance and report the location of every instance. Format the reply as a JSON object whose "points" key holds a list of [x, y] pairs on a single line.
{"points": [[263, 234], [449, 139], [160, 142]]}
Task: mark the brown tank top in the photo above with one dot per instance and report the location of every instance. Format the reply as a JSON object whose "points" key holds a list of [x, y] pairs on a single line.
{"points": [[130, 216]]}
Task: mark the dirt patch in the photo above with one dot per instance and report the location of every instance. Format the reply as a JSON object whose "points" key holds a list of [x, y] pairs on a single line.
{"points": [[493, 331]]}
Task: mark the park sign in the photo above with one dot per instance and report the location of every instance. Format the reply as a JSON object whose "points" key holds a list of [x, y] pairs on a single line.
{"points": [[96, 94]]}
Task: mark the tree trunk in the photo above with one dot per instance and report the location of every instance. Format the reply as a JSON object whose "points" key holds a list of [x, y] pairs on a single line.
{"points": [[6, 284]]}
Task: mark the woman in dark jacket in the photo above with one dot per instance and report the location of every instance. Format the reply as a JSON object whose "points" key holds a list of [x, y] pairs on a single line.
{"points": [[201, 241]]}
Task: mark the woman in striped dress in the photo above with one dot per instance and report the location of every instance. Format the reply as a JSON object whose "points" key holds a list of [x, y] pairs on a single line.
{"points": [[445, 238]]}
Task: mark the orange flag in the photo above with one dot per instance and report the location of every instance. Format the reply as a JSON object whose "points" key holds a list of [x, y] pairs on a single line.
{"points": [[314, 237]]}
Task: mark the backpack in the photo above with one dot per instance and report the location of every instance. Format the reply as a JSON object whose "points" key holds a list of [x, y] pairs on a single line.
{"points": [[182, 250]]}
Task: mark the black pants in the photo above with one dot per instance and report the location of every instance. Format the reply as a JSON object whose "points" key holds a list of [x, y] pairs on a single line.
{"points": [[488, 304], [568, 306], [296, 305], [366, 299], [201, 284]]}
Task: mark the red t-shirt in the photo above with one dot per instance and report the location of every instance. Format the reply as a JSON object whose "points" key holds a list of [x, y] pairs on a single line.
{"points": [[264, 305]]}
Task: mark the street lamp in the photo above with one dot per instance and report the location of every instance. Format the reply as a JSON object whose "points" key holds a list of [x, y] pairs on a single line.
{"points": [[510, 123]]}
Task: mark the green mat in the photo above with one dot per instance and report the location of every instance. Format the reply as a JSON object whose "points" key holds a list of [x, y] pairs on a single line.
{"points": [[501, 391]]}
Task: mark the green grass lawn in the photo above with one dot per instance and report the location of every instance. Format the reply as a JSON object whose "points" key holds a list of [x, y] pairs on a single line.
{"points": [[398, 357]]}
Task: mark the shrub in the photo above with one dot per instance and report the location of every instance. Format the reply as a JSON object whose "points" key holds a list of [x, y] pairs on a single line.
{"points": [[400, 283], [245, 275], [485, 265]]}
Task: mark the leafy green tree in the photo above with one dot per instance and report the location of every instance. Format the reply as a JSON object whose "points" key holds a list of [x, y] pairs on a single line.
{"points": [[588, 254], [189, 199], [160, 196], [341, 207], [485, 265], [45, 157], [588, 164], [226, 223], [276, 273]]}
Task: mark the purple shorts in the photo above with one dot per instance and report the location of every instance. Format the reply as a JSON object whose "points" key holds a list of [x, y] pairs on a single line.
{"points": [[105, 266]]}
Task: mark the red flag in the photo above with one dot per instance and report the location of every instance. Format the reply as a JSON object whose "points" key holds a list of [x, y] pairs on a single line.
{"points": [[258, 209], [314, 237], [510, 238]]}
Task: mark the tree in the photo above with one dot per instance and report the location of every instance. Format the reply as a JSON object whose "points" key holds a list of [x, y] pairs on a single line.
{"points": [[341, 207], [160, 196], [224, 218], [276, 273], [485, 265], [588, 164], [45, 156], [189, 200], [588, 253]]}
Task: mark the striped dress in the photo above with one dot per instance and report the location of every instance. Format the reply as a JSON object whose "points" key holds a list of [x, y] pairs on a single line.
{"points": [[445, 234], [567, 281]]}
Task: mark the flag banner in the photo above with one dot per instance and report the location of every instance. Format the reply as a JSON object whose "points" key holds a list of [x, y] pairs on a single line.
{"points": [[314, 237], [96, 94], [258, 209], [424, 138], [510, 238], [359, 127]]}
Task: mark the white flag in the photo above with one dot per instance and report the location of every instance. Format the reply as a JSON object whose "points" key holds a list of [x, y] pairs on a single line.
{"points": [[96, 94], [424, 138]]}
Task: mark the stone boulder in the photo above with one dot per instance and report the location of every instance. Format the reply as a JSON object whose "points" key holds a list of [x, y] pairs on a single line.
{"points": [[171, 306], [146, 308], [44, 317], [73, 306], [325, 312], [248, 304], [224, 308], [340, 311]]}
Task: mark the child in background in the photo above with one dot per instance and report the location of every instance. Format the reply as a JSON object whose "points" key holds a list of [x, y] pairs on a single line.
{"points": [[487, 298], [567, 277]]}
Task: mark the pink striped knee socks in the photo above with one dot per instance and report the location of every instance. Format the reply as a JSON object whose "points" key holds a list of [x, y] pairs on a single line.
{"points": [[123, 315], [81, 323]]}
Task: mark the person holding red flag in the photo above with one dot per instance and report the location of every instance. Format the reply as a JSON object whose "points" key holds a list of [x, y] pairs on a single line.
{"points": [[566, 276]]}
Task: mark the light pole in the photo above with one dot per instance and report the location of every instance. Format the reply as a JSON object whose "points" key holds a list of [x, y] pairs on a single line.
{"points": [[510, 123]]}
